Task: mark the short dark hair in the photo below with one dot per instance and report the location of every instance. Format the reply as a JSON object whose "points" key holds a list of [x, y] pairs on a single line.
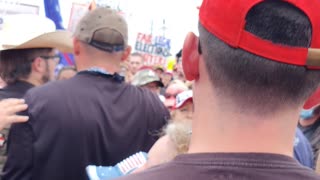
{"points": [[15, 64], [136, 54], [255, 83]]}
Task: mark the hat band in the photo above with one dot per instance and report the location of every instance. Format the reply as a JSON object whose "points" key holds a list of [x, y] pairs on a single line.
{"points": [[106, 46], [284, 54], [227, 22]]}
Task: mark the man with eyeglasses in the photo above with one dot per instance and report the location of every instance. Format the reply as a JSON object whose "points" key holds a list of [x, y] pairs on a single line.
{"points": [[23, 69], [27, 60]]}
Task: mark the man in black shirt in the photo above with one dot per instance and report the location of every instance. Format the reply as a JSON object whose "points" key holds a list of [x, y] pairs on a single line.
{"points": [[28, 61], [92, 118], [247, 63]]}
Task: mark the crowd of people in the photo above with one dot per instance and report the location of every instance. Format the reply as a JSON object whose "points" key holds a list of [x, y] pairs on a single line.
{"points": [[243, 101]]}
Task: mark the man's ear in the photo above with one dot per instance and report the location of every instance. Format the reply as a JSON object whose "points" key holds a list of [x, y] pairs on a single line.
{"points": [[38, 65], [190, 57], [76, 47], [126, 53]]}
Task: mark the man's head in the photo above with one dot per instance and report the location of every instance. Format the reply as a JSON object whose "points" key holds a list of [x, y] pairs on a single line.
{"points": [[183, 108], [167, 78], [136, 62], [147, 78], [159, 70], [253, 77], [66, 72], [36, 65], [101, 37], [28, 44], [174, 88]]}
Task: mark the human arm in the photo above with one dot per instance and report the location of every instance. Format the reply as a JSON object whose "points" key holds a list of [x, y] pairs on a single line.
{"points": [[8, 110]]}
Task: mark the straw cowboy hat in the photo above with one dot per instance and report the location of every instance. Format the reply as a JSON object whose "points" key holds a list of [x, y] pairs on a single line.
{"points": [[24, 31]]}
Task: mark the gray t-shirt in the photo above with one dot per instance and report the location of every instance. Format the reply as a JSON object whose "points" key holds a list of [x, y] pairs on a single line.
{"points": [[227, 166]]}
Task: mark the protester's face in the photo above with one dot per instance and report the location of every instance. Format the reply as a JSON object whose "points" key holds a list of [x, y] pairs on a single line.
{"points": [[173, 90], [185, 112], [153, 86], [135, 63], [51, 61], [67, 74], [166, 78], [171, 93], [159, 72]]}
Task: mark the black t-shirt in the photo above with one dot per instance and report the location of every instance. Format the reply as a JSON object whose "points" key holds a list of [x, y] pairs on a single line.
{"points": [[228, 166], [88, 119], [15, 90]]}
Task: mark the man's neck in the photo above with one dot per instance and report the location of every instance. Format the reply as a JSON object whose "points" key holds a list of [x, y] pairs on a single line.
{"points": [[32, 81], [108, 67], [215, 130]]}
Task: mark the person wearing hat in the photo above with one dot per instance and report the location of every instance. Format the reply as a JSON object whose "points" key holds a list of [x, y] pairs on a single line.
{"points": [[28, 58], [174, 88], [28, 52], [159, 70], [183, 108], [92, 118], [147, 78], [254, 64], [167, 78]]}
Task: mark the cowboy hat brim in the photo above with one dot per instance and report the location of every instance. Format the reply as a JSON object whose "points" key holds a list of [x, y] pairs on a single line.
{"points": [[61, 40]]}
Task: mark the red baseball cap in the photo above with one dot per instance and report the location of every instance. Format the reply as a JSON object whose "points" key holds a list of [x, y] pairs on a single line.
{"points": [[183, 98], [226, 20], [313, 101]]}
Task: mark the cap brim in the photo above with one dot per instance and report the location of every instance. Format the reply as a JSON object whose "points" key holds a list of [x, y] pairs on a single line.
{"points": [[313, 101], [160, 84], [178, 106], [61, 40]]}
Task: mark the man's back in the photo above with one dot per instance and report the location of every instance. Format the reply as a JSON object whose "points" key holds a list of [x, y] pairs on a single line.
{"points": [[227, 166], [89, 119]]}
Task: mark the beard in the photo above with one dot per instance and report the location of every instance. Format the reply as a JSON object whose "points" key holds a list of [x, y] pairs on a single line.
{"points": [[46, 76]]}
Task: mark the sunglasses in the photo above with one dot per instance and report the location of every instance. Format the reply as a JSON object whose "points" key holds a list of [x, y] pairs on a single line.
{"points": [[55, 58]]}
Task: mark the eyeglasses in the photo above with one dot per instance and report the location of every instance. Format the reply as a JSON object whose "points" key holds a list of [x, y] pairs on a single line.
{"points": [[55, 58]]}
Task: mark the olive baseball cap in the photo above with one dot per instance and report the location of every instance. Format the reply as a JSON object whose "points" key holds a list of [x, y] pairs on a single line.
{"points": [[144, 77], [103, 28]]}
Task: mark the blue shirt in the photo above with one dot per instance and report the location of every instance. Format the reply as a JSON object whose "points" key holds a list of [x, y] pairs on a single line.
{"points": [[302, 150]]}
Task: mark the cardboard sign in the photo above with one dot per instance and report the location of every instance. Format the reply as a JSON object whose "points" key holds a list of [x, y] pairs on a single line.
{"points": [[154, 48], [77, 12]]}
